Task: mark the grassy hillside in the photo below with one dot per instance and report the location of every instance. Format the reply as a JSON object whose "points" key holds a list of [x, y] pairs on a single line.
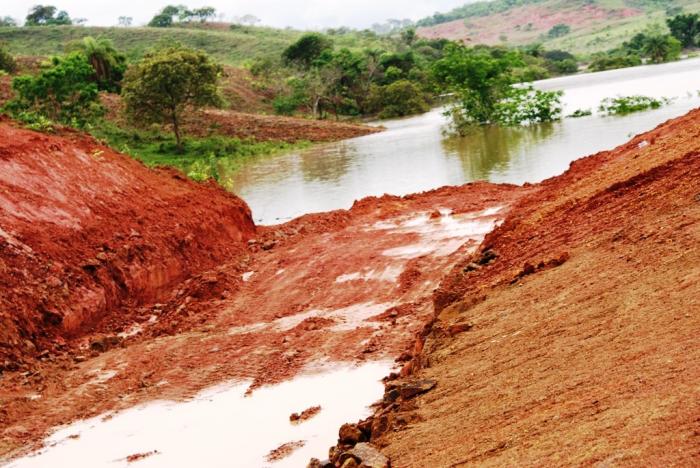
{"points": [[232, 47], [595, 25]]}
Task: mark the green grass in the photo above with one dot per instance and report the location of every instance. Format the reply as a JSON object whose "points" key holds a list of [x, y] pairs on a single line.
{"points": [[232, 47], [201, 158]]}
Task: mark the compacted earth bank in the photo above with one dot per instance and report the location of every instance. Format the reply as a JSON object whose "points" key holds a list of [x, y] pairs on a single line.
{"points": [[550, 324], [570, 337]]}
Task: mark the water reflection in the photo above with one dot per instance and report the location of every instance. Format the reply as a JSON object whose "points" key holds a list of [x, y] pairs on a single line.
{"points": [[328, 163], [490, 149], [413, 155]]}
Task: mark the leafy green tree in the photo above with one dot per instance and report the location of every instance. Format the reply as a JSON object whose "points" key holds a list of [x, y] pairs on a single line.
{"points": [[614, 60], [482, 79], [7, 62], [168, 82], [398, 99], [46, 15], [63, 92], [307, 49], [7, 22], [558, 30], [109, 65], [161, 21], [685, 28], [478, 77], [204, 14], [662, 48]]}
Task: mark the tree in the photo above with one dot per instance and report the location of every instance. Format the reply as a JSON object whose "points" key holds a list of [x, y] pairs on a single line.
{"points": [[662, 48], [161, 21], [7, 22], [398, 99], [125, 21], [307, 49], [204, 13], [63, 92], [248, 20], [7, 62], [45, 15], [108, 64], [559, 30], [481, 79], [165, 18], [685, 28], [168, 82]]}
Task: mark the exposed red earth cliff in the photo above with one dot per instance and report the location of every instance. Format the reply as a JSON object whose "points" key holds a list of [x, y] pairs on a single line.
{"points": [[85, 231]]}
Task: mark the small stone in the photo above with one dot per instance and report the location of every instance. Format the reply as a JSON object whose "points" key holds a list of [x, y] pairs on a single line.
{"points": [[349, 462], [349, 434], [369, 456], [269, 245], [79, 358], [105, 343], [414, 388], [102, 257], [487, 257], [459, 328], [472, 267]]}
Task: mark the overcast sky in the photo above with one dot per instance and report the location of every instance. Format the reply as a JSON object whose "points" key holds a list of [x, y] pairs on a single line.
{"points": [[303, 14]]}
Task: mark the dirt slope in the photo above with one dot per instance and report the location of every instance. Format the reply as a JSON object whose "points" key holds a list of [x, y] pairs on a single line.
{"points": [[85, 231], [344, 286], [571, 336]]}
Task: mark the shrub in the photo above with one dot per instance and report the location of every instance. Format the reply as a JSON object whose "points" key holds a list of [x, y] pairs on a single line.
{"points": [[398, 99], [62, 92], [580, 113], [527, 105], [623, 105], [7, 62]]}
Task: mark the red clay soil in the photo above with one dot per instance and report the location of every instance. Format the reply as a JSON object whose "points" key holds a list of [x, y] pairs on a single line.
{"points": [[244, 125], [571, 336], [349, 286], [85, 231]]}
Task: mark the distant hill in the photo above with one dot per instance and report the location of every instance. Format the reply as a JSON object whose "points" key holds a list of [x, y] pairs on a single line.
{"points": [[229, 46], [589, 25]]}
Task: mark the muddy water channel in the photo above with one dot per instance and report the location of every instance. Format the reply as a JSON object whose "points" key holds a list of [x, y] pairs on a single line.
{"points": [[414, 155]]}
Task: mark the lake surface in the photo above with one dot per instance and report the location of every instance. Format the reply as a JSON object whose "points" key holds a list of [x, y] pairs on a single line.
{"points": [[414, 155]]}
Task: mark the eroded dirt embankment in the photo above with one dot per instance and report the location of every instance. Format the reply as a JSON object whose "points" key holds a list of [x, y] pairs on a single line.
{"points": [[342, 287], [85, 232], [571, 336]]}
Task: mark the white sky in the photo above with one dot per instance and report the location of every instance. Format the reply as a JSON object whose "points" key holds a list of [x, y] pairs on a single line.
{"points": [[302, 14]]}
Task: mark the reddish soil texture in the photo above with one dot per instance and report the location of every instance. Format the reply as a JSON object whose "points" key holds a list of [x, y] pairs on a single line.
{"points": [[85, 232], [258, 127], [524, 24], [571, 336], [348, 286]]}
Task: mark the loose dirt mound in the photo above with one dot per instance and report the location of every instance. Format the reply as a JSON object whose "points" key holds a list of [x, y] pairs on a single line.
{"points": [[571, 336], [85, 231]]}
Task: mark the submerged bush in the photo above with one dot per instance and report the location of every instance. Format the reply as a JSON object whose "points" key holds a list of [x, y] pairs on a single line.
{"points": [[623, 105], [580, 113], [527, 105]]}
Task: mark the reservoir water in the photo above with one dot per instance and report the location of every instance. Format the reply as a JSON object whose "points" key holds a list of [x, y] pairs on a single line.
{"points": [[414, 154]]}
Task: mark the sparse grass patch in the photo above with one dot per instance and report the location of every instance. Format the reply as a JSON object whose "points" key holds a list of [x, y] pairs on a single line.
{"points": [[200, 158]]}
